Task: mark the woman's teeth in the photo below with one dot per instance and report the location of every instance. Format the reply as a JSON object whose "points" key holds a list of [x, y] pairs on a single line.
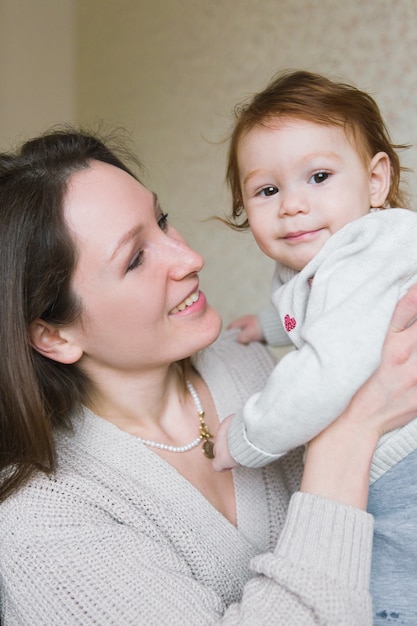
{"points": [[187, 302]]}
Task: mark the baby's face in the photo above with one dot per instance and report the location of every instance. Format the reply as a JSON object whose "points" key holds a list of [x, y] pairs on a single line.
{"points": [[301, 182]]}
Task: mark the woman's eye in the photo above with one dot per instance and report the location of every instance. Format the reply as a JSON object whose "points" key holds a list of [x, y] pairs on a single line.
{"points": [[270, 190], [319, 177], [163, 221], [138, 260]]}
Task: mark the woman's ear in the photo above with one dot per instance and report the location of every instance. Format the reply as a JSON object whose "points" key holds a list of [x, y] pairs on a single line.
{"points": [[379, 178], [51, 342]]}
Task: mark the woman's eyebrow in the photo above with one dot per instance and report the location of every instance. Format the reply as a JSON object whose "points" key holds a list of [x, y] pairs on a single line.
{"points": [[133, 232], [125, 239], [156, 204]]}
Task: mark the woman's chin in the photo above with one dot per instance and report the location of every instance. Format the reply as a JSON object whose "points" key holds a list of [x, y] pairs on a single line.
{"points": [[206, 331]]}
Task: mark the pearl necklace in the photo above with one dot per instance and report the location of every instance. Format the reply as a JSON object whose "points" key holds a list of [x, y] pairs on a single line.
{"points": [[204, 435]]}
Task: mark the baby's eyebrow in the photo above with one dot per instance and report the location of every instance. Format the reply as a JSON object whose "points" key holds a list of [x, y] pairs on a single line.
{"points": [[319, 154], [251, 175]]}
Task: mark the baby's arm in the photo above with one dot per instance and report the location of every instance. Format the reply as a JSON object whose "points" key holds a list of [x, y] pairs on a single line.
{"points": [[250, 328], [266, 326]]}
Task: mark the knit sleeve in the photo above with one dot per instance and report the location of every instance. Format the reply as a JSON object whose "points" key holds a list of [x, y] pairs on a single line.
{"points": [[318, 573], [359, 275], [106, 574]]}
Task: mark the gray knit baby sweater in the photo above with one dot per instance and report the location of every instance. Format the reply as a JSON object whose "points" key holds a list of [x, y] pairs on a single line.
{"points": [[119, 537]]}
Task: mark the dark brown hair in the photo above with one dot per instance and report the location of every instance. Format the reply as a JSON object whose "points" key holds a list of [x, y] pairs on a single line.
{"points": [[37, 259], [315, 98]]}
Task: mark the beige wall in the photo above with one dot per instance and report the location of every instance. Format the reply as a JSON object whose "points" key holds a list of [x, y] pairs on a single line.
{"points": [[37, 85], [171, 70]]}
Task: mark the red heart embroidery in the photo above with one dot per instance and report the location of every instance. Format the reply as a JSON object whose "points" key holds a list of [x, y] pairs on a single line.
{"points": [[290, 323]]}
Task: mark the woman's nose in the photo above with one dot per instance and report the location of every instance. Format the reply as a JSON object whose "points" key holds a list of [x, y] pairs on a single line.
{"points": [[183, 259]]}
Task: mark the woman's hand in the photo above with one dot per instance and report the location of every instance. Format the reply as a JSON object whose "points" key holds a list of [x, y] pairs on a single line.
{"points": [[338, 460], [388, 399]]}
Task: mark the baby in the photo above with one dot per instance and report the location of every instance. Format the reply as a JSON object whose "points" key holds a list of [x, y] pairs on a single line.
{"points": [[311, 168]]}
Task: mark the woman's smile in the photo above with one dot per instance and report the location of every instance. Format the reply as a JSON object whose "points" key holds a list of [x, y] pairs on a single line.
{"points": [[189, 302]]}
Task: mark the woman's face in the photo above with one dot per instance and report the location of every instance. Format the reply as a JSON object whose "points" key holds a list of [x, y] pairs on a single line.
{"points": [[136, 277]]}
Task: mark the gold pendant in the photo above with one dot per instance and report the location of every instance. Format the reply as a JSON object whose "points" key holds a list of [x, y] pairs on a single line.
{"points": [[208, 449]]}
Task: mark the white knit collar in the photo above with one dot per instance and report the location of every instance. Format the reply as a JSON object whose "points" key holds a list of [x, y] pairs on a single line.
{"points": [[285, 273]]}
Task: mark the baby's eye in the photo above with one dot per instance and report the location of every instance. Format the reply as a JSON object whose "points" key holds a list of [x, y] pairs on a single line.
{"points": [[270, 190], [163, 221], [319, 177]]}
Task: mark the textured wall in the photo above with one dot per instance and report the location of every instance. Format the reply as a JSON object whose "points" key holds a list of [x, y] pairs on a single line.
{"points": [[36, 67], [171, 70]]}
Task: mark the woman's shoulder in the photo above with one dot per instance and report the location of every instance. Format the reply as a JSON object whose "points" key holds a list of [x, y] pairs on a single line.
{"points": [[25, 512]]}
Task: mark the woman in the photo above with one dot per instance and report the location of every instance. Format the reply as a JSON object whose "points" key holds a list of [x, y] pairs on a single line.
{"points": [[111, 513]]}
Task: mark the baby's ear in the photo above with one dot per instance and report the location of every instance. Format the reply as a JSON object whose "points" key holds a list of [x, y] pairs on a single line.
{"points": [[51, 341], [379, 179]]}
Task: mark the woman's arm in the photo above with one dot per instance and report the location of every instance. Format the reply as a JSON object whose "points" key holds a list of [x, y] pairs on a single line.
{"points": [[338, 459]]}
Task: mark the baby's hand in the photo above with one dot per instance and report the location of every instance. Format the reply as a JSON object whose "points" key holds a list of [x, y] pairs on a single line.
{"points": [[223, 460], [250, 328]]}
